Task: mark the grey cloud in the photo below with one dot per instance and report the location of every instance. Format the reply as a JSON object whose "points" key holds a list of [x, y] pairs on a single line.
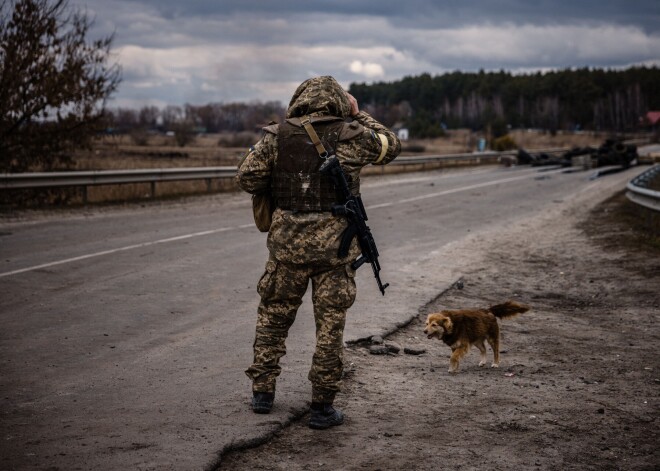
{"points": [[160, 23], [202, 51], [425, 13]]}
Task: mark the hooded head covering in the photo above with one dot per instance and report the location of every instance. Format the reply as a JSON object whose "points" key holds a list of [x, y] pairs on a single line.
{"points": [[319, 96]]}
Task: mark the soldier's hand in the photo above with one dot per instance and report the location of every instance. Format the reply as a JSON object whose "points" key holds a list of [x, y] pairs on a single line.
{"points": [[355, 109]]}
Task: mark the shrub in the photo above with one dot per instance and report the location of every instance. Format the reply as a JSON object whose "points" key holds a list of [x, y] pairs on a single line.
{"points": [[238, 139], [184, 133], [413, 148], [140, 137], [504, 143]]}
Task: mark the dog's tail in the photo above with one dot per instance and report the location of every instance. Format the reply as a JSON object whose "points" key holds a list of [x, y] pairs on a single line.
{"points": [[508, 309]]}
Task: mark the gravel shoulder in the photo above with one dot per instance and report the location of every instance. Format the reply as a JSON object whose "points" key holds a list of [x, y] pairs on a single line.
{"points": [[579, 381]]}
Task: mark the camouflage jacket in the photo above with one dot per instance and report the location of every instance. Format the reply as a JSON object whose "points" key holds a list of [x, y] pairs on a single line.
{"points": [[314, 237]]}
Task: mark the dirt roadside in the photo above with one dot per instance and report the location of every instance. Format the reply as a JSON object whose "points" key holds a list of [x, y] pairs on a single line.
{"points": [[579, 380]]}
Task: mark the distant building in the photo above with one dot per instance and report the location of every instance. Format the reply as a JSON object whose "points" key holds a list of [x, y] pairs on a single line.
{"points": [[400, 130], [652, 119]]}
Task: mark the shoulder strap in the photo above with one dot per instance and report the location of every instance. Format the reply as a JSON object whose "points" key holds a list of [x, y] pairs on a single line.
{"points": [[306, 123], [313, 119], [271, 129], [351, 131]]}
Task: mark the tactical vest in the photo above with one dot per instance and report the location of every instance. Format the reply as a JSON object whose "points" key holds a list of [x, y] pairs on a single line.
{"points": [[297, 183]]}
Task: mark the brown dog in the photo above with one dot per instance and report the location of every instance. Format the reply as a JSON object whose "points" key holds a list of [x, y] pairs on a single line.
{"points": [[462, 328]]}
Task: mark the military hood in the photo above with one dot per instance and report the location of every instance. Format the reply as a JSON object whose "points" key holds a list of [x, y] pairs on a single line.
{"points": [[319, 96]]}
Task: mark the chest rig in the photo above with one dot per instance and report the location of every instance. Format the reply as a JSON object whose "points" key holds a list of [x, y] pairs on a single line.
{"points": [[297, 184]]}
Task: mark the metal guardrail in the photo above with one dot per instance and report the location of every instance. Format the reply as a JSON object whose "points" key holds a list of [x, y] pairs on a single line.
{"points": [[108, 177], [639, 191], [84, 179]]}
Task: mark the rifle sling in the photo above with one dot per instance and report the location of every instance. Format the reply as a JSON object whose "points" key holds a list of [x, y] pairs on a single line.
{"points": [[307, 124]]}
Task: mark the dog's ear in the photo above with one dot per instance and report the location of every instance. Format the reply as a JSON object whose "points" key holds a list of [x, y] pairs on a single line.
{"points": [[446, 324]]}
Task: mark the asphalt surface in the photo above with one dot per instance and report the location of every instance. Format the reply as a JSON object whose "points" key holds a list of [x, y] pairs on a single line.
{"points": [[126, 331]]}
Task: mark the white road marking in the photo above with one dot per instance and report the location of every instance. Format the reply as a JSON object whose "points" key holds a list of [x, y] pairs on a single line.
{"points": [[403, 181], [123, 249], [448, 192], [225, 229]]}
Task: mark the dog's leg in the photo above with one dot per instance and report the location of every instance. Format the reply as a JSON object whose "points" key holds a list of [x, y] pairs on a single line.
{"points": [[482, 349], [494, 343], [457, 353]]}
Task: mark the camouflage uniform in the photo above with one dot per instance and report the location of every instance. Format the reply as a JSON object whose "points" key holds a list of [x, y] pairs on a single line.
{"points": [[303, 245]]}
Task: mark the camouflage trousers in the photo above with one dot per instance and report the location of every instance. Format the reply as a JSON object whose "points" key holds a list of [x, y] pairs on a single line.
{"points": [[281, 288]]}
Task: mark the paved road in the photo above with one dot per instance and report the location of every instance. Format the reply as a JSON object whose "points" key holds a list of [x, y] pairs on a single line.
{"points": [[125, 332]]}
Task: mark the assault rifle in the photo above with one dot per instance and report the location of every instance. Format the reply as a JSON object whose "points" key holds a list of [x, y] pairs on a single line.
{"points": [[353, 209]]}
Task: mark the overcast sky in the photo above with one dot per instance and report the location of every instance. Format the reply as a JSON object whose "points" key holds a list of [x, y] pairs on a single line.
{"points": [[202, 51]]}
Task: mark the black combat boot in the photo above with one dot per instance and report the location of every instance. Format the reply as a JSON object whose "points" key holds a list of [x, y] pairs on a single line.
{"points": [[262, 402], [324, 416]]}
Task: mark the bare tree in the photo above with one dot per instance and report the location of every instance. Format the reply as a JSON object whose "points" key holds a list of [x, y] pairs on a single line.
{"points": [[53, 83], [122, 120], [148, 117], [171, 115], [184, 132]]}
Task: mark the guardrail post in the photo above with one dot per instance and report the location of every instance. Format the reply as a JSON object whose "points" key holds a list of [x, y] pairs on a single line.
{"points": [[153, 189], [84, 194], [208, 185]]}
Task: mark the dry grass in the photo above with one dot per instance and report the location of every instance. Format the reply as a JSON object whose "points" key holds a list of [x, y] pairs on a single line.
{"points": [[532, 139], [120, 152], [463, 140]]}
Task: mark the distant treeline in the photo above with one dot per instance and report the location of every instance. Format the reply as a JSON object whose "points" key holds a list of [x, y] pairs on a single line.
{"points": [[211, 118], [583, 99], [595, 99]]}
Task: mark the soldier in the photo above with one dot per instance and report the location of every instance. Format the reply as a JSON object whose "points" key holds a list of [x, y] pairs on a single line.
{"points": [[304, 236]]}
